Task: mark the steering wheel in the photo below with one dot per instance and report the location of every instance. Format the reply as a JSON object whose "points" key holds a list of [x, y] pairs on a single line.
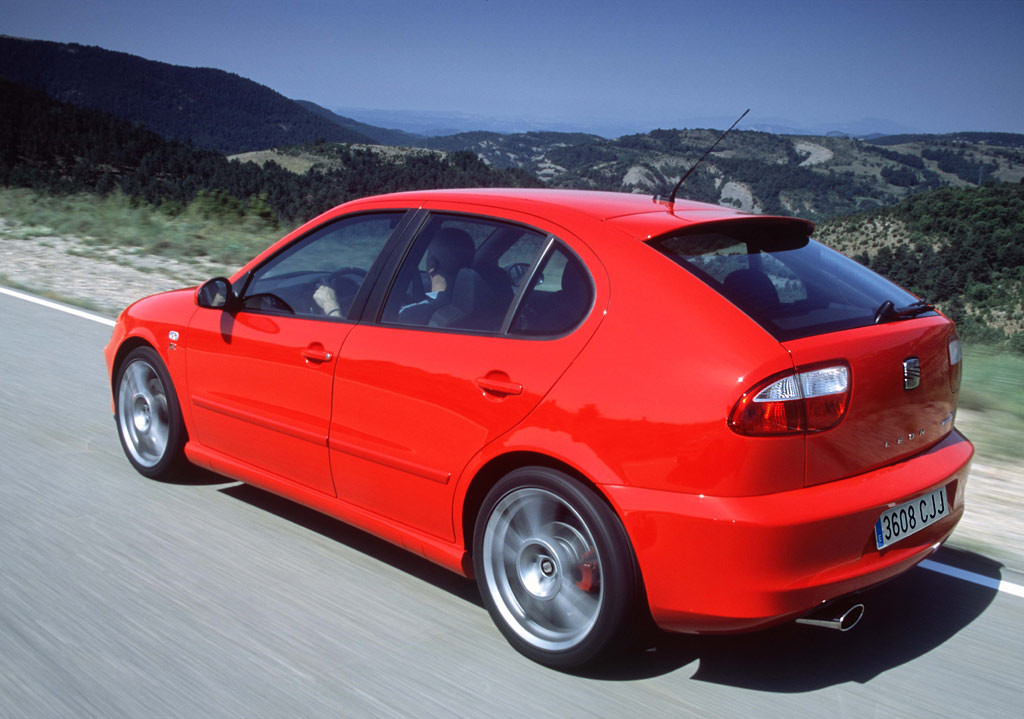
{"points": [[346, 281]]}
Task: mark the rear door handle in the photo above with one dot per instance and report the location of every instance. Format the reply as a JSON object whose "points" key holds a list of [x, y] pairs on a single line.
{"points": [[499, 384]]}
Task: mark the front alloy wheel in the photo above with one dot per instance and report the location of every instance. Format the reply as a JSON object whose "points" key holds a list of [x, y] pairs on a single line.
{"points": [[148, 417], [554, 567]]}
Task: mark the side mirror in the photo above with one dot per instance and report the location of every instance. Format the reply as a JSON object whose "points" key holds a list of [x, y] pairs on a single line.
{"points": [[216, 294]]}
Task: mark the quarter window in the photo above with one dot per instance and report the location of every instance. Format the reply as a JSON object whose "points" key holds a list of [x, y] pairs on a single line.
{"points": [[558, 298]]}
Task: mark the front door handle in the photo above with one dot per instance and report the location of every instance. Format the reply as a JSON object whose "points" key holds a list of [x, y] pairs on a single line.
{"points": [[315, 353], [499, 383]]}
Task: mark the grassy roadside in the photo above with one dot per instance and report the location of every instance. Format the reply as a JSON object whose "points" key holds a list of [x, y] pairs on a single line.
{"points": [[992, 402], [88, 305], [213, 226]]}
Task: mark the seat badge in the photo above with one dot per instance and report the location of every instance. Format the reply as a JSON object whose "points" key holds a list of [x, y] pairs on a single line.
{"points": [[911, 373]]}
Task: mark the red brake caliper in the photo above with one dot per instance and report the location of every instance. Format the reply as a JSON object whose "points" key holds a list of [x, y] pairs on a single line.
{"points": [[589, 576]]}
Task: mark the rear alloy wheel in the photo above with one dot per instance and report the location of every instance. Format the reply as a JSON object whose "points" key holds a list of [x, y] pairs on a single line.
{"points": [[147, 413], [554, 567]]}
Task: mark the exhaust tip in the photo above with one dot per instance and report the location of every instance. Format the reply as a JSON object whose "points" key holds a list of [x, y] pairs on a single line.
{"points": [[851, 617], [833, 617]]}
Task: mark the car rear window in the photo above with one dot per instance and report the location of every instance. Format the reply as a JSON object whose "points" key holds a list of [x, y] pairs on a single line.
{"points": [[791, 285]]}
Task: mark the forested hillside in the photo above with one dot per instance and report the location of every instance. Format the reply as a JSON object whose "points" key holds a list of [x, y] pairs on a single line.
{"points": [[59, 148], [814, 177], [376, 134], [962, 249], [209, 108]]}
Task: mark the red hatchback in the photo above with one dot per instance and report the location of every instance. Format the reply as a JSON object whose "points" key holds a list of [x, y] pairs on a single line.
{"points": [[596, 403]]}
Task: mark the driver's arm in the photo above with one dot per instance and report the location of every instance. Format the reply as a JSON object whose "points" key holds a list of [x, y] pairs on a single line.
{"points": [[327, 300]]}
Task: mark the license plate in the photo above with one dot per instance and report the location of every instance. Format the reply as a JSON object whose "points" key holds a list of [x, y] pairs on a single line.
{"points": [[910, 517]]}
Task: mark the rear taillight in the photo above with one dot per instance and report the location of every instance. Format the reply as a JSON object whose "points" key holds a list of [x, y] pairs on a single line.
{"points": [[810, 399], [956, 363]]}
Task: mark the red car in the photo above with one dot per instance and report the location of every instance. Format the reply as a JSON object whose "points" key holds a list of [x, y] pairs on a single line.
{"points": [[598, 404]]}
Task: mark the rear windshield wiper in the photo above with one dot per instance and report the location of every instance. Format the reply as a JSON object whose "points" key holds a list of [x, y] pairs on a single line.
{"points": [[889, 312]]}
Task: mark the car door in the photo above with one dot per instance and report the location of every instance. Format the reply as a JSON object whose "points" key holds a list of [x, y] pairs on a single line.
{"points": [[419, 392], [260, 375]]}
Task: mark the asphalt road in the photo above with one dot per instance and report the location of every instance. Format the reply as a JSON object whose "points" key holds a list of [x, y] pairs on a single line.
{"points": [[124, 597]]}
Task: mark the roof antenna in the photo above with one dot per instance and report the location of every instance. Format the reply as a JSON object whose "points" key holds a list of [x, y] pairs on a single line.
{"points": [[672, 197]]}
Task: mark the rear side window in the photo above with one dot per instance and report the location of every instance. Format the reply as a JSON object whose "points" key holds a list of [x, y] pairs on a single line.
{"points": [[791, 285], [558, 298], [462, 273], [479, 274]]}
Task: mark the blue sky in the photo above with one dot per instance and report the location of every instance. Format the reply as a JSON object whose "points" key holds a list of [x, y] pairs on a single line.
{"points": [[923, 65]]}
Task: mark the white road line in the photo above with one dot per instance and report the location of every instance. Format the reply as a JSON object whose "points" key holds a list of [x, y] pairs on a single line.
{"points": [[59, 307], [997, 584]]}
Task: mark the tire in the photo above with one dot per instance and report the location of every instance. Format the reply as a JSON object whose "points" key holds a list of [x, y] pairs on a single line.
{"points": [[148, 415], [555, 568]]}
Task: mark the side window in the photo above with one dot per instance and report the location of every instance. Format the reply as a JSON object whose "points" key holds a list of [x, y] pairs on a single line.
{"points": [[519, 258], [320, 274], [462, 273], [559, 297]]}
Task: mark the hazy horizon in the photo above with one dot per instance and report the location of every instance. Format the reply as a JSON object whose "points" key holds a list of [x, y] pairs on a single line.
{"points": [[434, 123]]}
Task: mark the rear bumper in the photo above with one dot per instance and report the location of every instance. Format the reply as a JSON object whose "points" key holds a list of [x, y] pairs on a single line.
{"points": [[723, 564]]}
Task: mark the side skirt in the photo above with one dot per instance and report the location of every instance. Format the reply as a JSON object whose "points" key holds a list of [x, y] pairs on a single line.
{"points": [[446, 554]]}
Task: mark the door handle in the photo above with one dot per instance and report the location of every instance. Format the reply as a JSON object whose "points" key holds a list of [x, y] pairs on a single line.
{"points": [[315, 354], [498, 383]]}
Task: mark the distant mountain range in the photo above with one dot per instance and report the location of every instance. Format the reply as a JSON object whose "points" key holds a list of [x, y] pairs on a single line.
{"points": [[433, 124], [788, 173]]}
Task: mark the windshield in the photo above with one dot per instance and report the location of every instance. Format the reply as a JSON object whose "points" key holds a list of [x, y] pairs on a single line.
{"points": [[791, 285]]}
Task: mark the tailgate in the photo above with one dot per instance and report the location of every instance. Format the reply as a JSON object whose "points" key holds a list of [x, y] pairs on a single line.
{"points": [[889, 418]]}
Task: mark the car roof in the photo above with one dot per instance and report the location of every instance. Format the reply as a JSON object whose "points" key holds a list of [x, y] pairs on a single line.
{"points": [[641, 216]]}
